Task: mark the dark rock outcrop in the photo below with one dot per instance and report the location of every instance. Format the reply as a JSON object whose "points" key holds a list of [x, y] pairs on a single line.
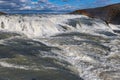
{"points": [[2, 13], [110, 14]]}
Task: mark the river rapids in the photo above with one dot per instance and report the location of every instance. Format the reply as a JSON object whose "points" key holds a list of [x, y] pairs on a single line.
{"points": [[58, 47]]}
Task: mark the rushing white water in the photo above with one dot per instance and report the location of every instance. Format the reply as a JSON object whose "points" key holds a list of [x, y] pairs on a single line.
{"points": [[41, 26], [89, 45]]}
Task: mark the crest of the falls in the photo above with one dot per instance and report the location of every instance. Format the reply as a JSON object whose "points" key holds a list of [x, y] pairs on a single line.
{"points": [[47, 25]]}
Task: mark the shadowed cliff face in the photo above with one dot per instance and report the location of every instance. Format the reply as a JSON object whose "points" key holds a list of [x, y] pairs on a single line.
{"points": [[2, 13], [110, 14]]}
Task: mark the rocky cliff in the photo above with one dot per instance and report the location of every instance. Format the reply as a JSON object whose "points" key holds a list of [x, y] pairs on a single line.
{"points": [[2, 13], [110, 14]]}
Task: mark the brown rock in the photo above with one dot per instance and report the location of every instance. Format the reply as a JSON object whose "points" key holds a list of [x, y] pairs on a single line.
{"points": [[2, 13], [83, 12], [110, 14]]}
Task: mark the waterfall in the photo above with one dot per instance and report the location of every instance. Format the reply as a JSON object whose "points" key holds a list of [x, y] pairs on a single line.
{"points": [[72, 47], [47, 25]]}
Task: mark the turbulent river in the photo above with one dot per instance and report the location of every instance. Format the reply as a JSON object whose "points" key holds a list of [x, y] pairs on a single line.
{"points": [[58, 47]]}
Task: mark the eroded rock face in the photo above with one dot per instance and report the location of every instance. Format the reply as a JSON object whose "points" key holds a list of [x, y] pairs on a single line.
{"points": [[2, 13], [110, 14]]}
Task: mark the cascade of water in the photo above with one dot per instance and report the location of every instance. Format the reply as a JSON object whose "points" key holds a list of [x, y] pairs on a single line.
{"points": [[42, 26], [87, 44]]}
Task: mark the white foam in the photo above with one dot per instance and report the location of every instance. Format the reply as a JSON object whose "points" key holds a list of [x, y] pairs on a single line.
{"points": [[114, 27], [44, 26], [9, 65]]}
